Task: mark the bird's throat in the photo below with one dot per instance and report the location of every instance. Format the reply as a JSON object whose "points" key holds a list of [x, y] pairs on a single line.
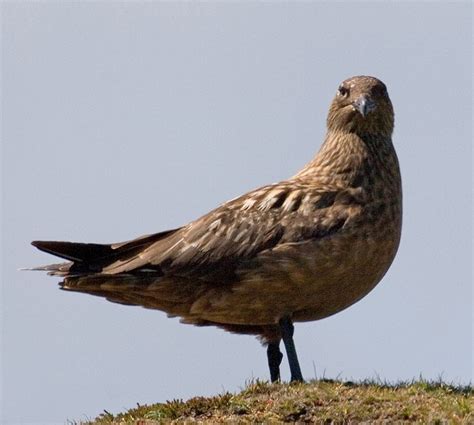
{"points": [[345, 155]]}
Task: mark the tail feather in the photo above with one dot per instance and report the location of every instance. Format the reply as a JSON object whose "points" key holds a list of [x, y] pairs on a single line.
{"points": [[74, 251], [90, 257], [53, 269]]}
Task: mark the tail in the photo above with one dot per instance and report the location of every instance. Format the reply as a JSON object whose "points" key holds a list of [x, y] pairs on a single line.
{"points": [[89, 258]]}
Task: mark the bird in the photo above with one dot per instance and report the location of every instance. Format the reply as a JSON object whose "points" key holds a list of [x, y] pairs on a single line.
{"points": [[294, 251]]}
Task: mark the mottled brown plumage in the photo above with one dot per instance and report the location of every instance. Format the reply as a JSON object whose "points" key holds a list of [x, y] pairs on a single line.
{"points": [[302, 249]]}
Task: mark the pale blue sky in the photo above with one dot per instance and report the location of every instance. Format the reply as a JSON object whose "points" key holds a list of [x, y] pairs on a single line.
{"points": [[121, 119]]}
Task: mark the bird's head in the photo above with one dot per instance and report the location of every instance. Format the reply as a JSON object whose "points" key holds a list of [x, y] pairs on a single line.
{"points": [[362, 106]]}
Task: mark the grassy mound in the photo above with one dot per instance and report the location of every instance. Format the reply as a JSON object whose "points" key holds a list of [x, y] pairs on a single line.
{"points": [[322, 401]]}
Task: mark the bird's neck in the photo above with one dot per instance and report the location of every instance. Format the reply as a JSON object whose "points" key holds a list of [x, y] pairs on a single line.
{"points": [[346, 156]]}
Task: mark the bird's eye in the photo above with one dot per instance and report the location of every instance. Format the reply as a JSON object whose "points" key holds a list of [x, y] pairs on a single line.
{"points": [[343, 91]]}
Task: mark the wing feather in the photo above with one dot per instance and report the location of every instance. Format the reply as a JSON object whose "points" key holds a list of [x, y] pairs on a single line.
{"points": [[242, 228]]}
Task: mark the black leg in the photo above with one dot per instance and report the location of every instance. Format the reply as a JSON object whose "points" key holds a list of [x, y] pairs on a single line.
{"points": [[287, 328], [274, 359]]}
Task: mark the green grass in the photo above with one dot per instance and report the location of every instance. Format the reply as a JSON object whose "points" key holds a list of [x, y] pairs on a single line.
{"points": [[321, 401]]}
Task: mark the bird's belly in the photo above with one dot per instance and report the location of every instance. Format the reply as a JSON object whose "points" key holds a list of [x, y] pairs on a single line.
{"points": [[307, 281]]}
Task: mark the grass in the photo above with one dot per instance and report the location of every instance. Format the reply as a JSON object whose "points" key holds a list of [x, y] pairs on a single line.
{"points": [[321, 401]]}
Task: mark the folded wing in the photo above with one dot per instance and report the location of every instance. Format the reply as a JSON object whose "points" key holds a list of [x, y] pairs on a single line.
{"points": [[237, 230]]}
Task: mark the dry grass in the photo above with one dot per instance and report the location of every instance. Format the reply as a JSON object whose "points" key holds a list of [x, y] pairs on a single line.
{"points": [[323, 401]]}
